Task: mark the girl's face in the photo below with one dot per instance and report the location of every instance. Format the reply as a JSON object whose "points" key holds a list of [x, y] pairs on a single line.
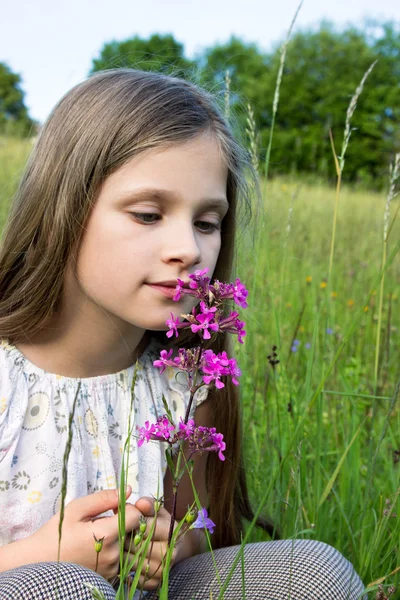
{"points": [[156, 218]]}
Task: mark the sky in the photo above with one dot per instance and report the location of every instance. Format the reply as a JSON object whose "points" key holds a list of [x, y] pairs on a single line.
{"points": [[51, 43]]}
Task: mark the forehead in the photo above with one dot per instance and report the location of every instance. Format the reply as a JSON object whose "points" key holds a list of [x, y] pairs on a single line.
{"points": [[196, 165]]}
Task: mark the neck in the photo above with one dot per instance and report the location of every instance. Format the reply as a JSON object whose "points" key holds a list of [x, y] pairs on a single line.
{"points": [[81, 349]]}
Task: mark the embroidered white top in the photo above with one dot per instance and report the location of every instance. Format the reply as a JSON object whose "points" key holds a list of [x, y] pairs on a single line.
{"points": [[34, 411]]}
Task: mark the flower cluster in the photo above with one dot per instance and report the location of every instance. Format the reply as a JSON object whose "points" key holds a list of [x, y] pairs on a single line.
{"points": [[209, 318], [200, 439], [213, 366], [200, 287], [206, 320]]}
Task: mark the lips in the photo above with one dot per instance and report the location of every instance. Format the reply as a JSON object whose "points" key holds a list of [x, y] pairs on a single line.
{"points": [[166, 290], [168, 284]]}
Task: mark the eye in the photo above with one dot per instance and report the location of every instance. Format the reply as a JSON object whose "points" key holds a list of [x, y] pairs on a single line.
{"points": [[207, 227], [147, 218]]}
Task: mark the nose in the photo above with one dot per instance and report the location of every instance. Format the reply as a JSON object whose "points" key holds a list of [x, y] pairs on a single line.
{"points": [[181, 245]]}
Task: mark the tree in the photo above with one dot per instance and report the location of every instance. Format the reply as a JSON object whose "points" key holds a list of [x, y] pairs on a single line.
{"points": [[161, 53], [14, 118], [322, 70]]}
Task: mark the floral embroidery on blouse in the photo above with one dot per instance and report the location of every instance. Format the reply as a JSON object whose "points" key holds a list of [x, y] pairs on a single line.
{"points": [[34, 410]]}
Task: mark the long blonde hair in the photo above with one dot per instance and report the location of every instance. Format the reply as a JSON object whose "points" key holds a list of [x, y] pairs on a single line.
{"points": [[95, 128]]}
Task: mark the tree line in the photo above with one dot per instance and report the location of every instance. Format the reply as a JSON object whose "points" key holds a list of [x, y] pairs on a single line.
{"points": [[323, 67]]}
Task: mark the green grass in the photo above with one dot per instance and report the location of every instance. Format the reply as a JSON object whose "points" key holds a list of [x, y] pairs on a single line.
{"points": [[328, 458], [325, 459]]}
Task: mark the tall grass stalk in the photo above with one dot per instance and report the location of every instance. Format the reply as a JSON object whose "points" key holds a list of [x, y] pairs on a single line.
{"points": [[277, 88], [64, 478], [339, 161], [227, 94], [394, 175]]}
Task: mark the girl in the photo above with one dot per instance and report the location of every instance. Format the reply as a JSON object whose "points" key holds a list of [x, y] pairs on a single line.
{"points": [[134, 182]]}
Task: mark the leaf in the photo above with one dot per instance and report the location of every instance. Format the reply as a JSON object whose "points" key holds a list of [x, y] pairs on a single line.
{"points": [[340, 463], [167, 410], [381, 579]]}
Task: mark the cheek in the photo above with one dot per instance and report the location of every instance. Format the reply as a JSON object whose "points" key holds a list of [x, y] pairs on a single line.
{"points": [[213, 251]]}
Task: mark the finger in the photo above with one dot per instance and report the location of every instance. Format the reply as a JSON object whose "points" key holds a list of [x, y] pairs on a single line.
{"points": [[132, 515], [110, 527], [162, 527], [151, 584], [93, 505], [146, 506]]}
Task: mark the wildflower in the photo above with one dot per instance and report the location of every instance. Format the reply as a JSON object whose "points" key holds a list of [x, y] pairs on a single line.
{"points": [[204, 323], [240, 294], [163, 427], [186, 429], [366, 308], [163, 361], [214, 366], [146, 433], [308, 345], [173, 326], [350, 303], [329, 330], [203, 521], [333, 294], [178, 290], [200, 439], [323, 285], [295, 345], [308, 279], [273, 357]]}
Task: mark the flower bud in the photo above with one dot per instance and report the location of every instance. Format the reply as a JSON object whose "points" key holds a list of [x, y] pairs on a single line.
{"points": [[142, 524], [98, 544], [137, 539], [190, 517]]}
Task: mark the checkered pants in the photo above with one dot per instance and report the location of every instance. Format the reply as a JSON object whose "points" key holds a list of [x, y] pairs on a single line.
{"points": [[295, 570]]}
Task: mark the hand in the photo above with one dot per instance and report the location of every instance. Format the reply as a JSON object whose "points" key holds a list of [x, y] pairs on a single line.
{"points": [[152, 571], [77, 542]]}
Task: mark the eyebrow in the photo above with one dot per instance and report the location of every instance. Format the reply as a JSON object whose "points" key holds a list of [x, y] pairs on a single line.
{"points": [[166, 195]]}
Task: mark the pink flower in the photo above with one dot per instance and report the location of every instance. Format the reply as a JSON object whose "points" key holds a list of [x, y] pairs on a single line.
{"points": [[164, 360], [163, 428], [206, 322], [218, 442], [146, 433], [240, 294], [178, 290], [186, 429], [173, 326], [214, 366]]}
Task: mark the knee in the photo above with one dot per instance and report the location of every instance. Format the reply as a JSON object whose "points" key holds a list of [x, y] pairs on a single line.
{"points": [[52, 581], [321, 570]]}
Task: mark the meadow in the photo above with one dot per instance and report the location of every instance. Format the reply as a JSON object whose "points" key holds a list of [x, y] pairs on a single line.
{"points": [[322, 426]]}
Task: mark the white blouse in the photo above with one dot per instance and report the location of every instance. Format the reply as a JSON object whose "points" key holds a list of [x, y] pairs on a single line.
{"points": [[34, 413]]}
